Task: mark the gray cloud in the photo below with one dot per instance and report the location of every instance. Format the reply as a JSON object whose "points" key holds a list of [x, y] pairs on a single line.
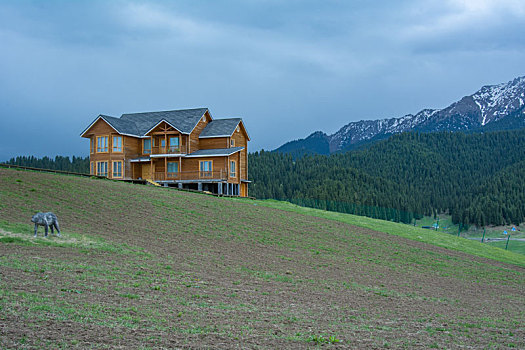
{"points": [[287, 67]]}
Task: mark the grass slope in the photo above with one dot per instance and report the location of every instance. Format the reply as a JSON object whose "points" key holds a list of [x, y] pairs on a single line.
{"points": [[146, 267], [407, 231]]}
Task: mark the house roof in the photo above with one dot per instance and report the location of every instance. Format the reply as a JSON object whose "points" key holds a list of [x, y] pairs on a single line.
{"points": [[216, 152], [139, 124], [220, 128], [183, 120], [120, 125]]}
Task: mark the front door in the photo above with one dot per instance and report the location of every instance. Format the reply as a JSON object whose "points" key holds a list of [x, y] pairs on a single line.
{"points": [[146, 171]]}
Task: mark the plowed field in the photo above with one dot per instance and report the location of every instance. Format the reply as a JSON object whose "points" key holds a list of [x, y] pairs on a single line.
{"points": [[144, 267]]}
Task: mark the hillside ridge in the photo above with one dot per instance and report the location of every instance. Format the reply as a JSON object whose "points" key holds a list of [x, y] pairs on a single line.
{"points": [[489, 105]]}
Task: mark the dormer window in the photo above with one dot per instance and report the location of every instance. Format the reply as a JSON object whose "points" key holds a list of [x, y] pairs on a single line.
{"points": [[232, 143]]}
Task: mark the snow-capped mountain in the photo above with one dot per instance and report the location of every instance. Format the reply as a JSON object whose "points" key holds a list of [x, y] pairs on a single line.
{"points": [[498, 106]]}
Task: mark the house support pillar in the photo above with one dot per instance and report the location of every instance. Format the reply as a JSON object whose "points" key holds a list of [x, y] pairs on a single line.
{"points": [[179, 185], [199, 186], [219, 188]]}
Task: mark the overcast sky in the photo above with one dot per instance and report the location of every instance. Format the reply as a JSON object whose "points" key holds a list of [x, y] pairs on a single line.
{"points": [[288, 68]]}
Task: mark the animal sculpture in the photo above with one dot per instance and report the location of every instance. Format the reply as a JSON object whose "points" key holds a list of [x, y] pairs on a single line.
{"points": [[47, 220]]}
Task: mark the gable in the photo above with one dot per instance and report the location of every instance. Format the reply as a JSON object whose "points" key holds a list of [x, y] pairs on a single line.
{"points": [[245, 132], [162, 126], [98, 126]]}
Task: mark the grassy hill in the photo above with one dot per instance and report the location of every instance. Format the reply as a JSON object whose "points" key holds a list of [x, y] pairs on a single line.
{"points": [[147, 267]]}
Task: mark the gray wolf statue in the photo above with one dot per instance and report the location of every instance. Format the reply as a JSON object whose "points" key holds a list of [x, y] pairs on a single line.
{"points": [[47, 220]]}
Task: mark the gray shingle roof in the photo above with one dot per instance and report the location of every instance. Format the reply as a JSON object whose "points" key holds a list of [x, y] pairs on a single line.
{"points": [[184, 120], [122, 126], [220, 128], [216, 152]]}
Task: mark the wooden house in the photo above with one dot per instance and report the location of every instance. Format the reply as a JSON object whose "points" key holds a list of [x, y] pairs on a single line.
{"points": [[184, 148]]}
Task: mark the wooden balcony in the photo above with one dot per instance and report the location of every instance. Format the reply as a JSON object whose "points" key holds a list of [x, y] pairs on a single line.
{"points": [[191, 175], [168, 150]]}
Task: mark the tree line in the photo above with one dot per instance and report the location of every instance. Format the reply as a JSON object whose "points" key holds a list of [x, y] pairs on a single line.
{"points": [[75, 164], [474, 177]]}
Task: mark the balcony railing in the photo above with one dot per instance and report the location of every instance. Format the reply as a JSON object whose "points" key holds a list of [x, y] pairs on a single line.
{"points": [[167, 150], [191, 175]]}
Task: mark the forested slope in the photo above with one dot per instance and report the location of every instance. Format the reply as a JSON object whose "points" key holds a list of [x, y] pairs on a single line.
{"points": [[474, 177]]}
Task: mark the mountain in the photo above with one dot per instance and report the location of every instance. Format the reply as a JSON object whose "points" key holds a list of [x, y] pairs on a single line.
{"points": [[493, 107], [318, 143]]}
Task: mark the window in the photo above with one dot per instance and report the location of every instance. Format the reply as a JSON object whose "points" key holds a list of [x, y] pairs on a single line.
{"points": [[117, 169], [146, 146], [173, 169], [91, 145], [92, 168], [117, 143], [232, 168], [174, 144], [206, 168], [102, 168], [232, 143], [102, 144]]}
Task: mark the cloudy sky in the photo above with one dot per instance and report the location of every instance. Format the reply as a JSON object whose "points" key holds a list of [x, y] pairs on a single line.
{"points": [[288, 68]]}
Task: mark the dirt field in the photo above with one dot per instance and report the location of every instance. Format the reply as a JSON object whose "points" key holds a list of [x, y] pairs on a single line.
{"points": [[142, 267]]}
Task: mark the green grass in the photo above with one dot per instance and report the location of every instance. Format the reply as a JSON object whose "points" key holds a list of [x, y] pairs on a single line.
{"points": [[514, 246], [407, 231], [20, 233], [146, 267], [319, 339]]}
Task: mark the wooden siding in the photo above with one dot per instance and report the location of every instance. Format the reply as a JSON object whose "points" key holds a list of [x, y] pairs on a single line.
{"points": [[193, 164], [194, 136], [184, 143], [99, 128], [240, 140], [216, 142], [132, 149]]}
